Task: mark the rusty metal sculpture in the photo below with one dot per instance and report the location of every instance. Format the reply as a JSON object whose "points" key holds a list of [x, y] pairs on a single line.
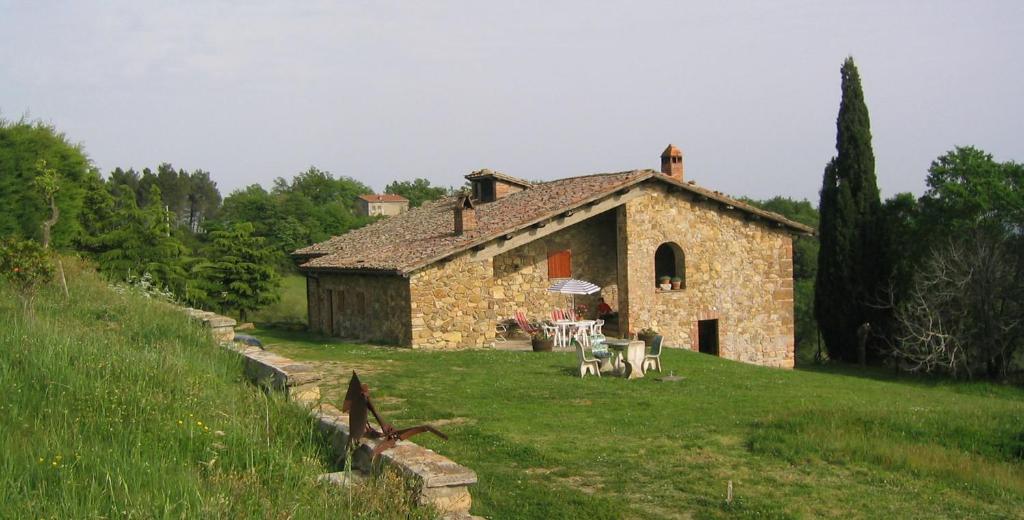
{"points": [[357, 404]]}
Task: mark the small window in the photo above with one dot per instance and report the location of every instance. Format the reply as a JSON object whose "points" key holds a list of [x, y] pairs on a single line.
{"points": [[487, 191], [560, 264], [670, 261]]}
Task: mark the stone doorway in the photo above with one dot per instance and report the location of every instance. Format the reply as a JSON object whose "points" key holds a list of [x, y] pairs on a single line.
{"points": [[707, 337]]}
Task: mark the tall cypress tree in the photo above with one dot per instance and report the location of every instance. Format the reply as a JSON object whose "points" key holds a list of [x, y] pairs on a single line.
{"points": [[850, 266]]}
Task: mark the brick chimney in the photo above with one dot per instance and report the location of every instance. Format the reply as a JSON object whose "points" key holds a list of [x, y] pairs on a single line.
{"points": [[465, 215], [672, 162]]}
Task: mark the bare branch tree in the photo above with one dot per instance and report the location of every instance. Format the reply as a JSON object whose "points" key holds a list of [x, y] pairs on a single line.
{"points": [[963, 312]]}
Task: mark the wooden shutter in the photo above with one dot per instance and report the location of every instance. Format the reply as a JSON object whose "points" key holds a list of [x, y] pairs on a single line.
{"points": [[560, 264]]}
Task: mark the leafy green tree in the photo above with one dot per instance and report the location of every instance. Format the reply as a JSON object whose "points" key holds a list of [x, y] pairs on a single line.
{"points": [[22, 146], [143, 242], [958, 264], [321, 187], [239, 274], [48, 184], [97, 216], [203, 199], [312, 207], [191, 197], [174, 187], [967, 188], [417, 191], [850, 260], [121, 182], [903, 243]]}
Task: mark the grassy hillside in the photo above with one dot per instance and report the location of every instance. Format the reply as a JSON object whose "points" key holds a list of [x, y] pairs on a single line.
{"points": [[839, 444], [115, 406]]}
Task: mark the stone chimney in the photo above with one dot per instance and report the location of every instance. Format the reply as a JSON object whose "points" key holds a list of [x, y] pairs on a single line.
{"points": [[465, 215], [672, 162]]}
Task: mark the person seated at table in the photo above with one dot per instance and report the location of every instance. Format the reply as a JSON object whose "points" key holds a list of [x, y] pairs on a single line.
{"points": [[604, 311]]}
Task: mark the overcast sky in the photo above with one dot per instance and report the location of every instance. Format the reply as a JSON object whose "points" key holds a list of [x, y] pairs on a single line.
{"points": [[380, 91]]}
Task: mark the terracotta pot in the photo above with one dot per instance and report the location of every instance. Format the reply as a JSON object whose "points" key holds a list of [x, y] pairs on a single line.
{"points": [[542, 345], [676, 285]]}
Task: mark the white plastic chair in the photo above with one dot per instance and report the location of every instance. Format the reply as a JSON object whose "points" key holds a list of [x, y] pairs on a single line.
{"points": [[500, 331]]}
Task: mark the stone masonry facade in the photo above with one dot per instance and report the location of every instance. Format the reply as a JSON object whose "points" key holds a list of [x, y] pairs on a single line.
{"points": [[452, 304], [521, 275], [738, 270], [360, 307]]}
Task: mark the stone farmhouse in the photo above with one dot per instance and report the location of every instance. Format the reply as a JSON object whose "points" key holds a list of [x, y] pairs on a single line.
{"points": [[385, 205], [443, 275]]}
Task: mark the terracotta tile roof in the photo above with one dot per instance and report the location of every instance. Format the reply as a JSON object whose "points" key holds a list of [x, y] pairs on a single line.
{"points": [[384, 197], [424, 235]]}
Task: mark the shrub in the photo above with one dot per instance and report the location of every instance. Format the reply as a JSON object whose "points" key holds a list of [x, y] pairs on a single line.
{"points": [[25, 266]]}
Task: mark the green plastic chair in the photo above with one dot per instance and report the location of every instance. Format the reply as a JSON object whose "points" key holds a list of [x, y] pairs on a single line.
{"points": [[653, 360]]}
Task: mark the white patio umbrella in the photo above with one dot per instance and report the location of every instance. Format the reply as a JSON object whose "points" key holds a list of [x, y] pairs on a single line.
{"points": [[573, 287]]}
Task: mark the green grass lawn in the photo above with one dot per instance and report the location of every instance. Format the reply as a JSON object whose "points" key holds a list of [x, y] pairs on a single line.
{"points": [[836, 443], [115, 406]]}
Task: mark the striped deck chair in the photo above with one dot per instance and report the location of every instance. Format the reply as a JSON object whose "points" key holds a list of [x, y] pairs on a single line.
{"points": [[525, 325]]}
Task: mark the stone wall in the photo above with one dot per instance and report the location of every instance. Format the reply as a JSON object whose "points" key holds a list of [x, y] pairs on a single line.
{"points": [[521, 275], [452, 304], [433, 479], [222, 328], [739, 272], [360, 307]]}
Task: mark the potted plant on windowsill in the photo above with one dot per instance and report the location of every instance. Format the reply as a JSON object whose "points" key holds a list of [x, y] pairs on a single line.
{"points": [[665, 282], [647, 336], [541, 341], [677, 283]]}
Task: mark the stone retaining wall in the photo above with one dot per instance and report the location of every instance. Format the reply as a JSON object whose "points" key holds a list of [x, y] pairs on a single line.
{"points": [[221, 327], [437, 480]]}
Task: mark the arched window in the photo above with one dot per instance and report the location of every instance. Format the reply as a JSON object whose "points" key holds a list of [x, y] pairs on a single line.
{"points": [[670, 261]]}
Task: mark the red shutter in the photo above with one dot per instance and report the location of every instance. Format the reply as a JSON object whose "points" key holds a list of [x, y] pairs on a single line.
{"points": [[560, 264]]}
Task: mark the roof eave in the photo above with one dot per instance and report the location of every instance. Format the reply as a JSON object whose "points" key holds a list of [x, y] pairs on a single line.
{"points": [[376, 271]]}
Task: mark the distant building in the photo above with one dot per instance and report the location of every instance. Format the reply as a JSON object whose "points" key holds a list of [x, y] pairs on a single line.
{"points": [[385, 205]]}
